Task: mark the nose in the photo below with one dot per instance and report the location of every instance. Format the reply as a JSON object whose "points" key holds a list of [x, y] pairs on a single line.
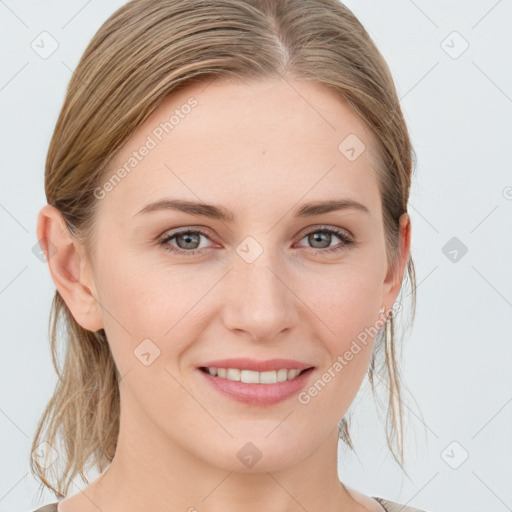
{"points": [[260, 301]]}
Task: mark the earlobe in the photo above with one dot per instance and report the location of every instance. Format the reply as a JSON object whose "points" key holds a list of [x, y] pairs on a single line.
{"points": [[394, 277], [66, 263]]}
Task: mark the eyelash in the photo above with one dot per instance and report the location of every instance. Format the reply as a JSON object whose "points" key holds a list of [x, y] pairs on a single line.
{"points": [[346, 239]]}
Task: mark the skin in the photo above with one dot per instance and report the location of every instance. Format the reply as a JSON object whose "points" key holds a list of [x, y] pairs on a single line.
{"points": [[259, 150]]}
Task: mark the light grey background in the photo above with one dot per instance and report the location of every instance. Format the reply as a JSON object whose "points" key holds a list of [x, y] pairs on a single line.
{"points": [[458, 355]]}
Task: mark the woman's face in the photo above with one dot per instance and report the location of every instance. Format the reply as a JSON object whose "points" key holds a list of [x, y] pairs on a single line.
{"points": [[262, 283]]}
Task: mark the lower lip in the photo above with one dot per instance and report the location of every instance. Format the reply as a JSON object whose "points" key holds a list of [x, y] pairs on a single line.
{"points": [[258, 394]]}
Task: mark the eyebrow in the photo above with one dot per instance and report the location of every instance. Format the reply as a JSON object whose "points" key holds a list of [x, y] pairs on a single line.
{"points": [[221, 213]]}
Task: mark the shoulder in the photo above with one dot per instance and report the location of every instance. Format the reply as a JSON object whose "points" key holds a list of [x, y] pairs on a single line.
{"points": [[392, 506], [52, 507], [389, 506]]}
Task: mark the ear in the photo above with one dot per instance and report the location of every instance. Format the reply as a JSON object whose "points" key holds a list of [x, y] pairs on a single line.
{"points": [[69, 268], [394, 277]]}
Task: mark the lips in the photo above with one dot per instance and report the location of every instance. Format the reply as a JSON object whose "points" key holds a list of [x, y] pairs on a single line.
{"points": [[257, 394], [241, 363]]}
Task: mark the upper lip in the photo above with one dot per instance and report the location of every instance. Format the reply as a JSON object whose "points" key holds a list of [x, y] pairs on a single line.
{"points": [[242, 363]]}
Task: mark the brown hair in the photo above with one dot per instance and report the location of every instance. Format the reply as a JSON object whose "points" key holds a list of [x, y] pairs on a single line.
{"points": [[144, 51]]}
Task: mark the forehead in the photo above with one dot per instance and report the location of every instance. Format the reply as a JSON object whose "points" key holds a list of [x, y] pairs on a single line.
{"points": [[228, 141]]}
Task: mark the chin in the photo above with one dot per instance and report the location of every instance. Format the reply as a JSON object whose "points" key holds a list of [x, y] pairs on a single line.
{"points": [[257, 455]]}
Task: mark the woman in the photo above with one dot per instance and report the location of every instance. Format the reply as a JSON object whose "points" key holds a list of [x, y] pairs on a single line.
{"points": [[227, 230]]}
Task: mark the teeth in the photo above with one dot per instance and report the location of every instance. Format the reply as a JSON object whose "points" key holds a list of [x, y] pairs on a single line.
{"points": [[233, 374], [282, 375], [252, 377]]}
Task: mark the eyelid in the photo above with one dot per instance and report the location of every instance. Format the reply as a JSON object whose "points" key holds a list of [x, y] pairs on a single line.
{"points": [[320, 227], [203, 230]]}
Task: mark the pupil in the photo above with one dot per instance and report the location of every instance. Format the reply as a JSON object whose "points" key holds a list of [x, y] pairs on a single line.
{"points": [[318, 237], [188, 236]]}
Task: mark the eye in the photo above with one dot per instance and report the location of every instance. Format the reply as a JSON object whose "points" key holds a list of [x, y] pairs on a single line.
{"points": [[325, 238], [189, 241]]}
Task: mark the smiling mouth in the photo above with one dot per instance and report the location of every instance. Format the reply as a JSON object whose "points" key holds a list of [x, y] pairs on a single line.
{"points": [[254, 377]]}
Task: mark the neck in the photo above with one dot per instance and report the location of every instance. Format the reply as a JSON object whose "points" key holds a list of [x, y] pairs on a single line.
{"points": [[159, 475]]}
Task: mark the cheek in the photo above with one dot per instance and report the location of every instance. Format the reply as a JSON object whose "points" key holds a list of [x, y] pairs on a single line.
{"points": [[142, 297], [346, 299], [141, 302], [345, 310]]}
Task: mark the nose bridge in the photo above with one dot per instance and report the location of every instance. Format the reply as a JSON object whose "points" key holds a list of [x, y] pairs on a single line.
{"points": [[260, 301]]}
